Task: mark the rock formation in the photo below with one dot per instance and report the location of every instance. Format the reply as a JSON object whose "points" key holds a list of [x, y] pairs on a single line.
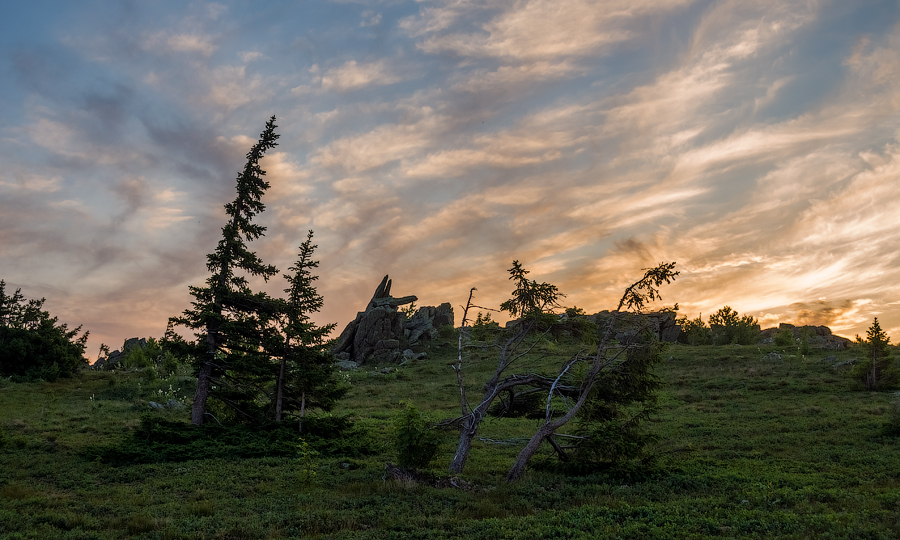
{"points": [[661, 323], [819, 336], [375, 333], [424, 324], [114, 358]]}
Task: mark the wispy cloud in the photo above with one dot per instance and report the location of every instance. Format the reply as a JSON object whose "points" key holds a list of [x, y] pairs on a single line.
{"points": [[353, 76], [535, 29], [180, 43], [755, 143]]}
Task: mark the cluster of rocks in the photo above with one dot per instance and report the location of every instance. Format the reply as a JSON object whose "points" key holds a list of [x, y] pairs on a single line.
{"points": [[172, 404], [659, 323], [818, 336], [113, 359], [376, 334], [382, 334]]}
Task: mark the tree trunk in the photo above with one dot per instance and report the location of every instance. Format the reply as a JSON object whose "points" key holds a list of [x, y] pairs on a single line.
{"points": [[204, 378], [470, 428], [550, 427], [302, 411], [278, 390], [518, 468], [198, 409], [874, 381]]}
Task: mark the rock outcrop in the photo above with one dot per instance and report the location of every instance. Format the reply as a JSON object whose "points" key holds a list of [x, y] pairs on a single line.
{"points": [[660, 323], [819, 336], [425, 323], [374, 335], [377, 334], [115, 358]]}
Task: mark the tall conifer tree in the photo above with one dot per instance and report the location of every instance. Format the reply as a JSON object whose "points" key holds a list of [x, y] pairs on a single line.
{"points": [[229, 318]]}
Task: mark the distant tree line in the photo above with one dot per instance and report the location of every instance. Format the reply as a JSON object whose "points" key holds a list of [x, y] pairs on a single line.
{"points": [[726, 327]]}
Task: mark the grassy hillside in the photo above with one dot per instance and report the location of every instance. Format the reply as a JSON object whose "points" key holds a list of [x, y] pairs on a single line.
{"points": [[751, 445]]}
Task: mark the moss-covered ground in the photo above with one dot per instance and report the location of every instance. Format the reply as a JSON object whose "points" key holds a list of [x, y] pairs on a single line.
{"points": [[750, 446]]}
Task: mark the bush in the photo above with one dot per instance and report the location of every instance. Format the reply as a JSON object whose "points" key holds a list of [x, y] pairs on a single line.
{"points": [[729, 328], [157, 440], [446, 331], [416, 441], [804, 342], [169, 363], [484, 328], [693, 331], [32, 344], [614, 418], [136, 358], [785, 338]]}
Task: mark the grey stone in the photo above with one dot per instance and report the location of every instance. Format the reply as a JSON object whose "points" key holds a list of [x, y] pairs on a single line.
{"points": [[410, 355], [424, 324], [346, 365], [174, 404], [660, 323], [819, 336], [113, 359], [155, 405], [375, 334]]}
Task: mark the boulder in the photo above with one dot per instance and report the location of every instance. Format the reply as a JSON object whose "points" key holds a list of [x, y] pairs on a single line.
{"points": [[424, 324], [113, 359], [174, 404], [411, 356], [660, 323], [819, 336], [346, 365]]}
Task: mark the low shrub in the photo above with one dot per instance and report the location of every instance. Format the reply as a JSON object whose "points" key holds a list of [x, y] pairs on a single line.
{"points": [[157, 440], [785, 338], [415, 439]]}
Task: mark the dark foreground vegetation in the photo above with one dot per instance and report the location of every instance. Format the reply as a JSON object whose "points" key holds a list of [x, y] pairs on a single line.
{"points": [[751, 442]]}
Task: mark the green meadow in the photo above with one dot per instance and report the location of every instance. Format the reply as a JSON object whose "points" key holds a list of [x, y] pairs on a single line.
{"points": [[750, 445]]}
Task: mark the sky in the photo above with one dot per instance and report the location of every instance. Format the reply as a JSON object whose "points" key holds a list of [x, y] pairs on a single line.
{"points": [[754, 143]]}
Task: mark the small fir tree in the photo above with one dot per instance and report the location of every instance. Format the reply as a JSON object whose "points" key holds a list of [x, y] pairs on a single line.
{"points": [[878, 371], [530, 299], [306, 376], [693, 331]]}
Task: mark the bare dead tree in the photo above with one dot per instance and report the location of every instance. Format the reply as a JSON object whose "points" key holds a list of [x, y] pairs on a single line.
{"points": [[530, 300], [635, 298]]}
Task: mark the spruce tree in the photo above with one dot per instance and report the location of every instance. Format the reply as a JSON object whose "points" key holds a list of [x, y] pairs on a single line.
{"points": [[306, 376], [878, 373], [228, 318]]}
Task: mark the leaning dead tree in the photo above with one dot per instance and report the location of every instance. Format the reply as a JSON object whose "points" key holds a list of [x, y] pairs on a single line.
{"points": [[530, 300], [533, 303], [635, 297]]}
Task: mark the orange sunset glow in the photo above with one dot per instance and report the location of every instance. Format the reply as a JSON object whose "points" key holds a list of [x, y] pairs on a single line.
{"points": [[754, 143]]}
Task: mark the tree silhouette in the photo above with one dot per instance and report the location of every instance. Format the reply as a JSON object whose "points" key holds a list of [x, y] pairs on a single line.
{"points": [[230, 319]]}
